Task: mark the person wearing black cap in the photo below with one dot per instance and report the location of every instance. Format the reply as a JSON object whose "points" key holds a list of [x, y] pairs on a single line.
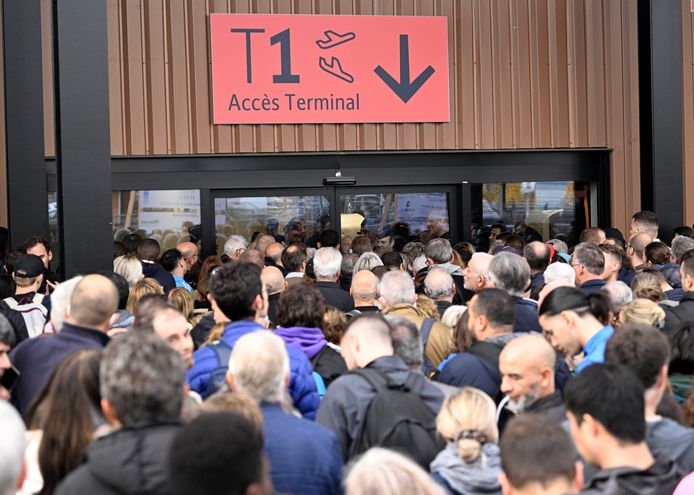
{"points": [[34, 307]]}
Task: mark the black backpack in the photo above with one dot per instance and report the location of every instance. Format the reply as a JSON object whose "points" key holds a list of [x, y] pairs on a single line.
{"points": [[398, 419]]}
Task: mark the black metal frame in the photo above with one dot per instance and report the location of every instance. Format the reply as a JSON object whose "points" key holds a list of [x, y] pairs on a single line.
{"points": [[661, 111], [283, 174], [26, 180]]}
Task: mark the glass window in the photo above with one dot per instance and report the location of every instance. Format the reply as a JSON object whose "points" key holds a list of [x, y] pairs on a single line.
{"points": [[53, 229], [287, 218], [168, 216], [536, 210], [406, 216]]}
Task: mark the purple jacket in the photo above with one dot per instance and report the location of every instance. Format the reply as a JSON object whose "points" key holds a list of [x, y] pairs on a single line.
{"points": [[309, 340]]}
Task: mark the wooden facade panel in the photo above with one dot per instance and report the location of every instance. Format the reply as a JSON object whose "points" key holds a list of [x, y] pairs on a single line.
{"points": [[523, 74], [688, 114]]}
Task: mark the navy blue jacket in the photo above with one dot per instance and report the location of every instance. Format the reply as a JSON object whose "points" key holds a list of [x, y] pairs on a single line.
{"points": [[153, 270], [626, 275], [592, 286], [537, 280], [525, 317], [37, 358], [304, 456], [302, 387], [468, 370]]}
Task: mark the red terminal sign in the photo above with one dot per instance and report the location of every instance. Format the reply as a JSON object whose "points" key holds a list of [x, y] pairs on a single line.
{"points": [[291, 69]]}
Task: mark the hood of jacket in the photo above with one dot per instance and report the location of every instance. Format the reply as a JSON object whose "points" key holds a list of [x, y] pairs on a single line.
{"points": [[659, 479], [133, 460], [478, 477], [404, 310], [309, 340]]}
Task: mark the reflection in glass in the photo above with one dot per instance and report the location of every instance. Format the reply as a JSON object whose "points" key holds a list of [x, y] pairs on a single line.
{"points": [[535, 210], [395, 217], [287, 218], [169, 217]]}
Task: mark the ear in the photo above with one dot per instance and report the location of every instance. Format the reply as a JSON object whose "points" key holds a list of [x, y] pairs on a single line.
{"points": [[454, 290], [430, 261], [50, 256], [109, 413], [230, 381], [286, 380], [579, 480], [506, 488], [22, 475]]}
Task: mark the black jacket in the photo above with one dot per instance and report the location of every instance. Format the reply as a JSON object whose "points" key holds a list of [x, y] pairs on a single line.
{"points": [[659, 479], [551, 407], [131, 460], [335, 296], [676, 315], [592, 286]]}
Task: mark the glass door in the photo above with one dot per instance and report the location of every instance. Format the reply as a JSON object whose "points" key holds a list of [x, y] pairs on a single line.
{"points": [[400, 215], [289, 215]]}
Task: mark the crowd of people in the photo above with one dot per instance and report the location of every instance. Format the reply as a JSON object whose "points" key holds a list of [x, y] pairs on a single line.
{"points": [[356, 366]]}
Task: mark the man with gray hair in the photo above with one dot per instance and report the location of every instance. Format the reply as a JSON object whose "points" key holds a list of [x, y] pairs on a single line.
{"points": [[235, 246], [511, 273], [304, 456], [142, 380], [589, 263], [680, 245], [12, 447], [439, 253], [439, 286], [618, 294], [476, 275], [398, 298], [326, 265]]}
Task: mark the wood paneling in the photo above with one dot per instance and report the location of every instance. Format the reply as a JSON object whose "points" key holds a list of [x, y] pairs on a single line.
{"points": [[688, 100], [523, 74]]}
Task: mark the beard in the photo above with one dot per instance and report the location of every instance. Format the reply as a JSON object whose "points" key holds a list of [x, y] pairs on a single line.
{"points": [[521, 405]]}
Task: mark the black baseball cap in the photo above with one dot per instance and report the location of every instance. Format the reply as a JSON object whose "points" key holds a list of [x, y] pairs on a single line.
{"points": [[28, 266]]}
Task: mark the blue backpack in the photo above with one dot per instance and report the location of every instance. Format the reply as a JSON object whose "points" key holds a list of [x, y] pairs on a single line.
{"points": [[218, 376]]}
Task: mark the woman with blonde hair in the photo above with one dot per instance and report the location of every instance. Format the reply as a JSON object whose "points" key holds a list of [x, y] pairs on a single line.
{"points": [[643, 311], [144, 286], [130, 268], [471, 462], [181, 299]]}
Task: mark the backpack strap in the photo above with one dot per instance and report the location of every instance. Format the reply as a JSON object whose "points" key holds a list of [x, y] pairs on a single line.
{"points": [[425, 330], [38, 298], [11, 302], [222, 351], [353, 314], [377, 379]]}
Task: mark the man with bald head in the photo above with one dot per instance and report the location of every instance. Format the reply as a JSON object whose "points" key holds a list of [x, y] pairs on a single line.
{"points": [[274, 284], [89, 316], [274, 252], [439, 286], [263, 241], [364, 292], [527, 377], [537, 255], [476, 274], [366, 343], [190, 254], [636, 249]]}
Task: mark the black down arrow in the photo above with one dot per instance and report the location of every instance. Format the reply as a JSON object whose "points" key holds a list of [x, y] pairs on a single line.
{"points": [[404, 89]]}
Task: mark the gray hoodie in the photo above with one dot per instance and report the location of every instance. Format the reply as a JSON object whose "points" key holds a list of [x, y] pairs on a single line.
{"points": [[477, 478]]}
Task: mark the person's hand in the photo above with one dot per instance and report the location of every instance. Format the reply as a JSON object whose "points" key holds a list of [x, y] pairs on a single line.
{"points": [[116, 331]]}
